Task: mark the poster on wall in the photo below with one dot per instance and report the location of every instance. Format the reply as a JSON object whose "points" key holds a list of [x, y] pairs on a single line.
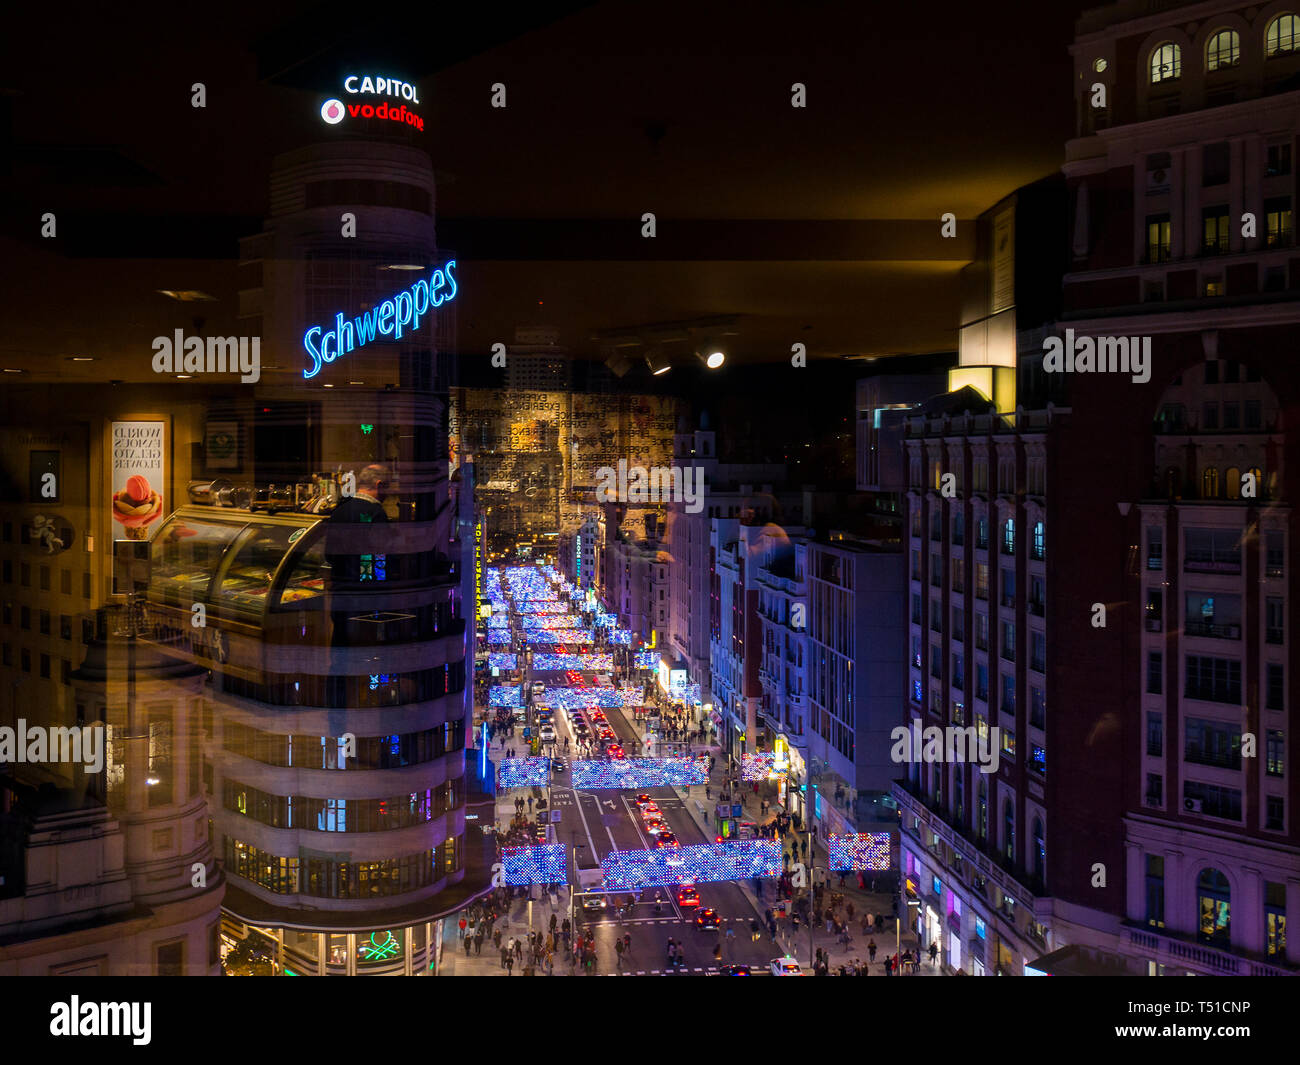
{"points": [[139, 476]]}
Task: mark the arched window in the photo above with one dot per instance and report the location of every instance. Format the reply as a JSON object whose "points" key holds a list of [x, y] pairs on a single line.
{"points": [[1040, 851], [1280, 38], [1009, 831], [984, 811], [1210, 483], [1258, 475], [1222, 50], [1232, 483], [1166, 63], [1214, 899]]}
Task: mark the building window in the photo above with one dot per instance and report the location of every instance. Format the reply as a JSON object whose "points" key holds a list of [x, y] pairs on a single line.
{"points": [[1277, 160], [1214, 230], [1273, 619], [1214, 899], [1211, 800], [1155, 893], [1274, 808], [1215, 163], [1155, 789], [1157, 238], [1008, 694], [1273, 686], [982, 534], [1009, 640], [1215, 680], [1009, 831], [1275, 919], [1166, 63], [1280, 38], [1212, 743], [982, 826], [1038, 651], [1009, 537], [1155, 672], [916, 651], [1155, 734], [1210, 483], [1222, 50], [1037, 708], [981, 632], [1155, 547], [959, 529], [171, 958], [1275, 763], [1274, 554], [1277, 221], [981, 681]]}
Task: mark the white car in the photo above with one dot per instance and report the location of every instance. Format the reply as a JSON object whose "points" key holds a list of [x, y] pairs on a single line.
{"points": [[547, 734], [786, 966], [538, 687]]}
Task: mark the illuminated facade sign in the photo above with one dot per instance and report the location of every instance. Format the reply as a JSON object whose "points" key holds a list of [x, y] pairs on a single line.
{"points": [[375, 86], [387, 319], [333, 111], [478, 561]]}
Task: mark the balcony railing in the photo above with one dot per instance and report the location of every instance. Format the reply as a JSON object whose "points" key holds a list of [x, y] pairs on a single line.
{"points": [[1218, 631], [1171, 950]]}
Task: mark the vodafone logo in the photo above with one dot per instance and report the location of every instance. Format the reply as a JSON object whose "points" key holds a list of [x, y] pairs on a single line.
{"points": [[332, 111]]}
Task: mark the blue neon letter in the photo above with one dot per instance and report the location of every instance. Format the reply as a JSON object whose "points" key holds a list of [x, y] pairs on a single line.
{"points": [[311, 350]]}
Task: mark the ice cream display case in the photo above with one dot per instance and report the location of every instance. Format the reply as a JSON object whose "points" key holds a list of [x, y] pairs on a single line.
{"points": [[241, 565]]}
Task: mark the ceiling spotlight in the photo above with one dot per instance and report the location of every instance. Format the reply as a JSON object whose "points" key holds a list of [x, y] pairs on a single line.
{"points": [[657, 361], [712, 355]]}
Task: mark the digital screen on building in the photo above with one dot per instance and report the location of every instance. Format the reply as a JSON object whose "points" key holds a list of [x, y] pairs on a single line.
{"points": [[533, 865], [864, 852], [731, 860], [624, 773]]}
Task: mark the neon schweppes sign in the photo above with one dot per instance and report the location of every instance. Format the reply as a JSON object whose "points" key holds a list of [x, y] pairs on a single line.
{"points": [[389, 319]]}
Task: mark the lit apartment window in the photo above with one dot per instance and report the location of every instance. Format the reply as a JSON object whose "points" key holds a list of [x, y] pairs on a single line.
{"points": [[1155, 879], [1222, 50], [1275, 919], [1157, 238], [1277, 221], [1166, 63], [1280, 38], [1214, 228], [1009, 537], [1275, 764]]}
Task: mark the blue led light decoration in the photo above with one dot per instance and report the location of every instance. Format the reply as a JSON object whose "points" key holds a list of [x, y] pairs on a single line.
{"points": [[502, 660], [505, 695], [865, 852], [645, 659], [533, 865], [544, 661], [626, 773], [523, 772], [738, 859]]}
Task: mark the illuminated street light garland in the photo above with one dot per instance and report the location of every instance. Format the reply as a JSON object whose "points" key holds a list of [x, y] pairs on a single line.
{"points": [[732, 860], [523, 772], [505, 695], [545, 661], [502, 660], [759, 766], [645, 659], [624, 773], [864, 852], [543, 864]]}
